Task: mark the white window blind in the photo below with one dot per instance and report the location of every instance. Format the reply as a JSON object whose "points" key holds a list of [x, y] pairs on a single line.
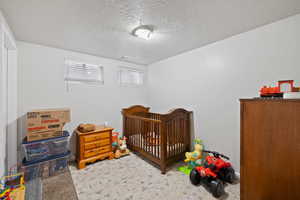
{"points": [[83, 73], [131, 77]]}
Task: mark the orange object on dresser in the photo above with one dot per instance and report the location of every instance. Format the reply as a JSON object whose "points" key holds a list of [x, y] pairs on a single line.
{"points": [[94, 145]]}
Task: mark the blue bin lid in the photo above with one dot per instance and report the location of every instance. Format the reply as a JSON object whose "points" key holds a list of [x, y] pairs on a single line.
{"points": [[65, 134], [27, 163]]}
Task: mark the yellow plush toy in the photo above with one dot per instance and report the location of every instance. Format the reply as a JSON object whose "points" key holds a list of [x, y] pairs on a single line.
{"points": [[196, 154]]}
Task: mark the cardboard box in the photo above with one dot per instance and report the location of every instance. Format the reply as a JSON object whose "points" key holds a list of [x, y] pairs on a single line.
{"points": [[43, 135], [39, 121], [45, 128]]}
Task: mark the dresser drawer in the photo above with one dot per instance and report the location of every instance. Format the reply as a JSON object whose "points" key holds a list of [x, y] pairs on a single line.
{"points": [[96, 136], [95, 152], [96, 144]]}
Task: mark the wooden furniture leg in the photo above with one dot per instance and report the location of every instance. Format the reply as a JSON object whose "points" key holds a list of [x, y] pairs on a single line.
{"points": [[81, 165], [163, 169]]}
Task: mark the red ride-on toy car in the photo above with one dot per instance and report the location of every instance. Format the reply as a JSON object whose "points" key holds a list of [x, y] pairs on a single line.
{"points": [[214, 172], [222, 168]]}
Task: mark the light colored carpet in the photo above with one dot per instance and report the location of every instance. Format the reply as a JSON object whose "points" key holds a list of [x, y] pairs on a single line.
{"points": [[131, 178]]}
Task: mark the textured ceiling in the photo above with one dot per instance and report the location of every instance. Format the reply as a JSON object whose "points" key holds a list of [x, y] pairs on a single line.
{"points": [[102, 27]]}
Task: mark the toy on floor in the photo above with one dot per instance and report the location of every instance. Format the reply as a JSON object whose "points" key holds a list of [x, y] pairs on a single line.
{"points": [[5, 194], [278, 91], [214, 172], [195, 158], [115, 139], [12, 187], [122, 148]]}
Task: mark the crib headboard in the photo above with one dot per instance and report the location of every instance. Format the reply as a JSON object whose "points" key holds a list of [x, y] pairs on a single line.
{"points": [[135, 109]]}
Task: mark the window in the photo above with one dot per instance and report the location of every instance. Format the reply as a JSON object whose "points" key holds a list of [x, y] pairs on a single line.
{"points": [[131, 77], [83, 73]]}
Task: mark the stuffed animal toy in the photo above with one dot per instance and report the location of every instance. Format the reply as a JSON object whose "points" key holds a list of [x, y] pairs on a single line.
{"points": [[194, 157], [122, 148]]}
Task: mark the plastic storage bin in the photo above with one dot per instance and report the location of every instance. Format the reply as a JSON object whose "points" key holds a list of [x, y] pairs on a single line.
{"points": [[42, 149], [58, 166], [46, 167]]}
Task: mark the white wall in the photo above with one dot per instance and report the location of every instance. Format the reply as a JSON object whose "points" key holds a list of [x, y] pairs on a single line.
{"points": [[8, 97], [12, 109], [41, 85], [3, 99], [211, 80]]}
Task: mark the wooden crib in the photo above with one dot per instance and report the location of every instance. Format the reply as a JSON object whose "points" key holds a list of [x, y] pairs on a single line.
{"points": [[160, 138]]}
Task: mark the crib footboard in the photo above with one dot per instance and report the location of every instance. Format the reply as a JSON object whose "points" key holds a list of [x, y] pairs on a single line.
{"points": [[162, 139], [176, 136]]}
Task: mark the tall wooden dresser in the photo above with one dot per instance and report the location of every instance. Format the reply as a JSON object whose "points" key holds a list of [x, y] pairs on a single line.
{"points": [[270, 149], [94, 145]]}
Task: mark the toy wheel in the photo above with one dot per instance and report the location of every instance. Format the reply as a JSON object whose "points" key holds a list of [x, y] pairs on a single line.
{"points": [[217, 188], [195, 177], [228, 175]]}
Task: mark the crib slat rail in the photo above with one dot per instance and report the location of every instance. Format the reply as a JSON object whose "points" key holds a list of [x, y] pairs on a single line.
{"points": [[143, 118], [160, 138]]}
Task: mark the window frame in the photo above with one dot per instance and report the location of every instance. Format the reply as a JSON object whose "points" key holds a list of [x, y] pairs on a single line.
{"points": [[123, 69], [68, 65]]}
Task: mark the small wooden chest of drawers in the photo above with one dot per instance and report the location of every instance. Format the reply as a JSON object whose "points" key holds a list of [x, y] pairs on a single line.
{"points": [[94, 145]]}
